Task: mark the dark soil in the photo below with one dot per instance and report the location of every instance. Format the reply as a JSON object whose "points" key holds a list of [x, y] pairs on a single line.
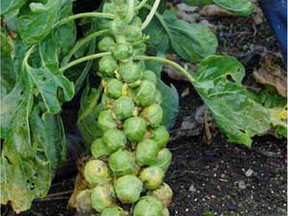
{"points": [[218, 178]]}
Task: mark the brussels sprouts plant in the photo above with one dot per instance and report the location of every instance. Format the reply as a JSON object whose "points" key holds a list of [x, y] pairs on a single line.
{"points": [[124, 122]]}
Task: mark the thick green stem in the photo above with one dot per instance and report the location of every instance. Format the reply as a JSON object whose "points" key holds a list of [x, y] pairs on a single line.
{"points": [[83, 59], [82, 42], [141, 5], [166, 61], [151, 14], [85, 15]]}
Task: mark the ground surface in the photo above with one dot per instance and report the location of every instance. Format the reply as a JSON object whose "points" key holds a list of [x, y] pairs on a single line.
{"points": [[220, 178]]}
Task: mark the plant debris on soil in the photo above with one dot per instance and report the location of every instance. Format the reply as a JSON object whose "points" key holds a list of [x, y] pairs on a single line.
{"points": [[208, 175]]}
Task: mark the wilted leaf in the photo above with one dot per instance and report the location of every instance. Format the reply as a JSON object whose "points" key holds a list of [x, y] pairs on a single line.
{"points": [[271, 74]]}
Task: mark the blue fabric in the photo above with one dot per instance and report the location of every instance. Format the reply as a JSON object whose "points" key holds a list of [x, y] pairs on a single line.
{"points": [[276, 13]]}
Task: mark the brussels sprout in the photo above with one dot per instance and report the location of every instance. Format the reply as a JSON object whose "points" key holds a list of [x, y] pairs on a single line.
{"points": [[133, 33], [109, 7], [106, 44], [121, 163], [123, 107], [114, 139], [152, 177], [114, 211], [106, 101], [145, 93], [107, 66], [122, 51], [165, 212], [161, 136], [98, 149], [135, 128], [83, 202], [150, 76], [114, 88], [164, 193], [106, 121], [148, 206], [130, 71], [135, 84], [128, 188], [164, 159], [153, 114], [146, 152], [96, 172], [116, 27], [102, 197]]}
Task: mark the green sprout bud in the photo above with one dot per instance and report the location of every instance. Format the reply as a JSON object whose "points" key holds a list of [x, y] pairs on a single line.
{"points": [[107, 66], [96, 172], [123, 107], [114, 139], [150, 76], [146, 152], [165, 212], [164, 193], [98, 149], [145, 93], [114, 211], [128, 189], [106, 44], [152, 177], [122, 163], [135, 84], [109, 7], [83, 202], [133, 33], [148, 206], [135, 128], [130, 71], [122, 51], [164, 159], [153, 114], [102, 197], [106, 121], [114, 88], [161, 136]]}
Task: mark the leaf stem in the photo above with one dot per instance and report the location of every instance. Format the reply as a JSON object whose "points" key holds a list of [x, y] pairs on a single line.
{"points": [[141, 5], [83, 59], [130, 11], [84, 15], [166, 61], [81, 42], [151, 14]]}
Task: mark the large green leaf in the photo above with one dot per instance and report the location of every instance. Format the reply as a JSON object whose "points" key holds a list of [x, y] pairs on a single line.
{"points": [[218, 81], [36, 20], [239, 7], [10, 5], [48, 79], [192, 42]]}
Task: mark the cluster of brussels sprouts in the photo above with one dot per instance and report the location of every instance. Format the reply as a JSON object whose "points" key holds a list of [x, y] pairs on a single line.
{"points": [[129, 161]]}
